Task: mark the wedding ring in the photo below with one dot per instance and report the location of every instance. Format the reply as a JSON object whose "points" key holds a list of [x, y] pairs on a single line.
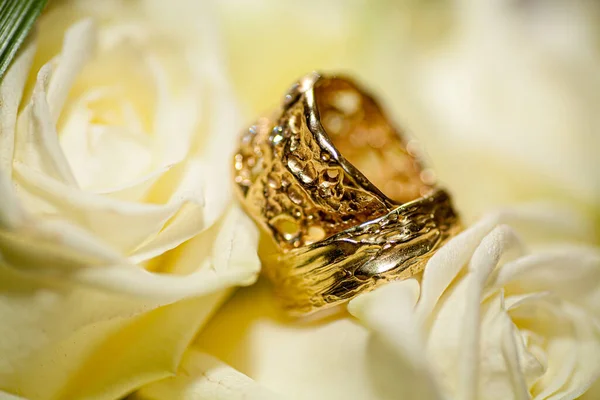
{"points": [[341, 195]]}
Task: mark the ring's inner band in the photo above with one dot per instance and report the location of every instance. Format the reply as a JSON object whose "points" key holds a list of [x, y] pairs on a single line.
{"points": [[362, 134]]}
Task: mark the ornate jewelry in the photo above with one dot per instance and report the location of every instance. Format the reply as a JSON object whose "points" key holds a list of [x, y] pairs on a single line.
{"points": [[314, 177]]}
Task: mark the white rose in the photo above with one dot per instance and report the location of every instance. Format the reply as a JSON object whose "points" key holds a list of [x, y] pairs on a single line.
{"points": [[489, 321], [117, 236]]}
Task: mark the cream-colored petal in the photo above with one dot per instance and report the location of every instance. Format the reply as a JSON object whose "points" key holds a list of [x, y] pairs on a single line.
{"points": [[99, 214], [300, 359], [137, 189], [186, 223], [78, 48], [11, 212], [500, 240], [541, 221], [8, 396], [189, 220], [37, 142], [571, 274], [79, 343], [571, 344], [499, 362], [173, 115], [586, 345], [510, 351], [396, 353], [216, 183], [389, 311], [102, 332], [67, 254], [446, 263], [593, 392], [60, 247], [532, 355], [223, 127], [544, 224], [201, 376], [104, 157], [546, 316], [11, 91]]}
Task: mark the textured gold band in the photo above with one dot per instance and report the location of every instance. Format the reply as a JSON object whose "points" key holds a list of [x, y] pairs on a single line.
{"points": [[338, 234]]}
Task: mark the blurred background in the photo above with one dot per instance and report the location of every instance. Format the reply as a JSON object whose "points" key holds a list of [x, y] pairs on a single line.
{"points": [[503, 95]]}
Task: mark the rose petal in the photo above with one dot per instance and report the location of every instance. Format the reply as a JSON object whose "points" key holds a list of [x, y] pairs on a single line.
{"points": [[173, 114], [300, 359], [11, 213], [11, 91], [447, 262], [90, 332], [396, 352], [484, 259], [390, 312], [593, 392], [532, 355], [223, 129], [66, 339], [189, 219], [473, 346], [60, 247], [499, 364], [78, 48], [9, 396], [512, 354], [546, 220], [572, 274], [105, 130], [202, 376], [233, 261], [137, 189], [36, 141], [98, 214]]}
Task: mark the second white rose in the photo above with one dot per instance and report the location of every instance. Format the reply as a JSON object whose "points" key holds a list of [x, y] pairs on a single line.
{"points": [[117, 236]]}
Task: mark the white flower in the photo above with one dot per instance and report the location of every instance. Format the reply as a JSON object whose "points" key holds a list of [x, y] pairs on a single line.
{"points": [[117, 236], [204, 377], [489, 320]]}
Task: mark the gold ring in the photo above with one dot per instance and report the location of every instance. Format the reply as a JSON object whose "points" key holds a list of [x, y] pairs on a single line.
{"points": [[345, 201]]}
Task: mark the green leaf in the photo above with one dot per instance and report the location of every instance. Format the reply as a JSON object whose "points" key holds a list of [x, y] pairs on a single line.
{"points": [[16, 19]]}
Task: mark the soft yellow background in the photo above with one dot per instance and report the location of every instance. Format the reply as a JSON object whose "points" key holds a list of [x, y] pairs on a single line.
{"points": [[503, 97]]}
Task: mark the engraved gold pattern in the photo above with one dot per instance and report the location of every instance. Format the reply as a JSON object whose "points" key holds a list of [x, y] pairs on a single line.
{"points": [[337, 232]]}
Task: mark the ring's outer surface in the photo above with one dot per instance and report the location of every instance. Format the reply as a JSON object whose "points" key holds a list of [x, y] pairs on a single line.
{"points": [[343, 198]]}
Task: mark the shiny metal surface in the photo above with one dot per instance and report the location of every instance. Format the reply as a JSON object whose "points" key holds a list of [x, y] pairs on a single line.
{"points": [[344, 200]]}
